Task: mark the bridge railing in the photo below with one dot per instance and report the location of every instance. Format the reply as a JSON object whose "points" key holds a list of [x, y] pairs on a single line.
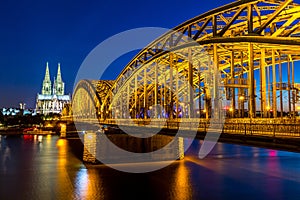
{"points": [[284, 127]]}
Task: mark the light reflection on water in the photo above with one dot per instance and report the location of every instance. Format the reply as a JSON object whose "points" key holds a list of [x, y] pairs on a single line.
{"points": [[48, 168], [181, 181]]}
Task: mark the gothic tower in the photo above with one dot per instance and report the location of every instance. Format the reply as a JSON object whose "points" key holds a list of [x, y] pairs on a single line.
{"points": [[59, 84], [46, 89]]}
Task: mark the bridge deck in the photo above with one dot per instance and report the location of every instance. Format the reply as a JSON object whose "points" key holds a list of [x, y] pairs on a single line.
{"points": [[284, 127]]}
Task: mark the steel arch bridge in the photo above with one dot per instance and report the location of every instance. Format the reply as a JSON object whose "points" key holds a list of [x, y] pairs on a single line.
{"points": [[253, 44], [89, 96]]}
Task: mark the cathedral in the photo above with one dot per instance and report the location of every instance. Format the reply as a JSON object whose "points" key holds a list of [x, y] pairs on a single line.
{"points": [[52, 99]]}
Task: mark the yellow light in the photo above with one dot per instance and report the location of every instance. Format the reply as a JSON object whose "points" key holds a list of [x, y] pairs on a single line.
{"points": [[230, 109], [204, 111], [268, 107], [61, 143], [241, 98]]}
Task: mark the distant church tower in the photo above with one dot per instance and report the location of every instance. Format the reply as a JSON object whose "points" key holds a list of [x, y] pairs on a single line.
{"points": [[46, 89], [53, 98], [59, 84]]}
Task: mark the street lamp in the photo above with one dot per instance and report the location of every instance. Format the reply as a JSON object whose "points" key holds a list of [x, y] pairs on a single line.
{"points": [[298, 109], [241, 98], [268, 110], [231, 114]]}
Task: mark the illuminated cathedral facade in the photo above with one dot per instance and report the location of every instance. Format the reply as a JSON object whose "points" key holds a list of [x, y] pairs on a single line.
{"points": [[53, 98]]}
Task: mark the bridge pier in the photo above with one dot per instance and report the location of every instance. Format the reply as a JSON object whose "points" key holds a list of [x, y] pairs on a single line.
{"points": [[90, 147], [63, 130], [97, 149]]}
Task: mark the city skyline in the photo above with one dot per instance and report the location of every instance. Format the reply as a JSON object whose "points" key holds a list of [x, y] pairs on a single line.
{"points": [[65, 32]]}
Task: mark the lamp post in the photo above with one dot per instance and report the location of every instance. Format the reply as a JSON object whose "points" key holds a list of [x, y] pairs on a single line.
{"points": [[298, 109], [150, 111], [268, 111], [231, 112], [242, 98]]}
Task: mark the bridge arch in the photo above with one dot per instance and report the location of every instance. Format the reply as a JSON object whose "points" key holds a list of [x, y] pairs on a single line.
{"points": [[253, 43], [250, 41], [88, 98]]}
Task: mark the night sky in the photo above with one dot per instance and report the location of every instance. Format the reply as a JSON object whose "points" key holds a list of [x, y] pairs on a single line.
{"points": [[34, 32]]}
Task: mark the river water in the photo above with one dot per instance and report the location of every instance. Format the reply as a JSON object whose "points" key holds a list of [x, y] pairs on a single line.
{"points": [[47, 167]]}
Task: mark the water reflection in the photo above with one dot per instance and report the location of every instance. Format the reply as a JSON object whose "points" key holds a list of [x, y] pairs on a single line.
{"points": [[5, 155], [89, 184], [82, 182], [64, 183], [182, 183], [47, 168]]}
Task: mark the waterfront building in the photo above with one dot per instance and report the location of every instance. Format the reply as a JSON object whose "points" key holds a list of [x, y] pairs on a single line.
{"points": [[17, 111], [53, 97]]}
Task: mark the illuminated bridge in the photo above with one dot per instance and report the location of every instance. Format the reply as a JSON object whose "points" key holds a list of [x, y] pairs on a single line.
{"points": [[238, 60]]}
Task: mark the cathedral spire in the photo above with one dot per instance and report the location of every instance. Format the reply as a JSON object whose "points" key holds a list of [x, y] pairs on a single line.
{"points": [[47, 74], [58, 77], [59, 84], [46, 88]]}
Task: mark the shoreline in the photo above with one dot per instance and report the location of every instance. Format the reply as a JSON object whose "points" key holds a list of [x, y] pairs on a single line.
{"points": [[276, 143]]}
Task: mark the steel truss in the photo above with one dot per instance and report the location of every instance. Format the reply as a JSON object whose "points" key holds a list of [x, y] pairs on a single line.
{"points": [[254, 45]]}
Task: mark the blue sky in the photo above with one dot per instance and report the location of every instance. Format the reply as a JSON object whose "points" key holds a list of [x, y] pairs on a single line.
{"points": [[34, 32]]}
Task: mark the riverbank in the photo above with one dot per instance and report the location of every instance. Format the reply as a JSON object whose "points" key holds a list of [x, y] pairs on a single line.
{"points": [[20, 131], [286, 144], [277, 143], [11, 131]]}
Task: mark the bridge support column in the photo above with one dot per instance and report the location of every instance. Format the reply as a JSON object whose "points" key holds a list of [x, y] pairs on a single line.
{"points": [[251, 82], [207, 105], [180, 152], [171, 88], [156, 90], [177, 98], [274, 104], [216, 85], [199, 88], [165, 93], [293, 92], [136, 111], [263, 84], [241, 91], [90, 147], [63, 130], [128, 108], [173, 151], [280, 86], [191, 83], [145, 95], [289, 85], [121, 111], [269, 90], [232, 82]]}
